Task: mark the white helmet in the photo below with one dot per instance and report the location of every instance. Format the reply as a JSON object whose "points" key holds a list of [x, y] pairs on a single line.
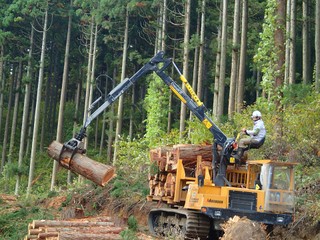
{"points": [[256, 114]]}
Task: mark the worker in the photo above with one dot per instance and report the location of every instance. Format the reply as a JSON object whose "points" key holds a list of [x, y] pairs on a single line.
{"points": [[256, 136]]}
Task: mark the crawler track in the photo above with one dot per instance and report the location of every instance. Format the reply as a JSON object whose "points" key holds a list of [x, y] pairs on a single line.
{"points": [[178, 223]]}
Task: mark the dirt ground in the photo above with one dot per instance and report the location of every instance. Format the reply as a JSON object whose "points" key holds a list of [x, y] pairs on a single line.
{"points": [[101, 205]]}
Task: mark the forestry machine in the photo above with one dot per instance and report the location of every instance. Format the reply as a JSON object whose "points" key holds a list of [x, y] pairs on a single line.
{"points": [[205, 195]]}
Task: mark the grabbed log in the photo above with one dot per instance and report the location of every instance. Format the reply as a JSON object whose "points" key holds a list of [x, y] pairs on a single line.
{"points": [[97, 172]]}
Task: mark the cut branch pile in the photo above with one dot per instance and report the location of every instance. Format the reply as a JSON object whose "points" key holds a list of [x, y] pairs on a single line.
{"points": [[162, 184], [80, 229]]}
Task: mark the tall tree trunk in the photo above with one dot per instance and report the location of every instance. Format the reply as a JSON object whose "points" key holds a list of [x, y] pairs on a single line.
{"points": [[6, 129], [93, 66], [222, 72], [38, 105], [195, 67], [123, 73], [288, 41], [306, 74], [235, 58], [217, 68], [243, 54], [15, 114], [24, 124], [133, 100], [111, 123], [1, 84], [279, 38], [104, 120], [317, 48], [201, 50], [31, 119], [183, 109], [62, 98], [75, 122], [88, 82], [164, 26], [292, 68]]}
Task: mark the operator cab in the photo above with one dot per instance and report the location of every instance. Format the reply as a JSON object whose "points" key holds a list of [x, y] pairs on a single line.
{"points": [[276, 179]]}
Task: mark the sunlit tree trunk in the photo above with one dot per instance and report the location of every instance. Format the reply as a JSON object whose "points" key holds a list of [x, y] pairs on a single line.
{"points": [[292, 66], [111, 123], [6, 130], [201, 50], [183, 110], [88, 82], [15, 115], [317, 48], [222, 72], [235, 59], [243, 55], [306, 74], [288, 41], [1, 84], [195, 67], [123, 73], [279, 38], [38, 105], [26, 103], [217, 68], [62, 98]]}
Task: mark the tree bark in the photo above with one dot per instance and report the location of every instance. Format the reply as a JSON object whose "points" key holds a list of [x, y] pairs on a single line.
{"points": [[183, 109], [62, 98], [15, 113], [64, 223], [217, 68], [287, 45], [24, 124], [235, 59], [2, 84], [222, 73], [292, 68], [38, 105], [201, 50], [306, 74], [123, 73], [95, 171], [6, 130], [243, 54], [317, 48]]}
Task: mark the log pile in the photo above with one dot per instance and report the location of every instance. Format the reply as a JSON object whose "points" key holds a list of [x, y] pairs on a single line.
{"points": [[80, 229], [162, 184]]}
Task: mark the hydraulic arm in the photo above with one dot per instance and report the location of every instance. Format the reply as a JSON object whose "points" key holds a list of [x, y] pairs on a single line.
{"points": [[159, 64], [193, 102]]}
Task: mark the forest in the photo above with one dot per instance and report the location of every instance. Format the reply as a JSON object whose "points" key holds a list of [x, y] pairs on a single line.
{"points": [[59, 58]]}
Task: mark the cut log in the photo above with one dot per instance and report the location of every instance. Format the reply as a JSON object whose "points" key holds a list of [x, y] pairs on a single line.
{"points": [[47, 235], [189, 152], [86, 236], [97, 172], [56, 223], [100, 230]]}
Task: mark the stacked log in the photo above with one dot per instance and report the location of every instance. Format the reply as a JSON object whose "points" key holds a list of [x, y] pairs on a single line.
{"points": [[162, 184], [93, 228]]}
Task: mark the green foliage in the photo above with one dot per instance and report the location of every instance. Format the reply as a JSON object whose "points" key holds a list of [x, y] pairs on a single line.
{"points": [[265, 57], [156, 104], [133, 223], [128, 234], [13, 225]]}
